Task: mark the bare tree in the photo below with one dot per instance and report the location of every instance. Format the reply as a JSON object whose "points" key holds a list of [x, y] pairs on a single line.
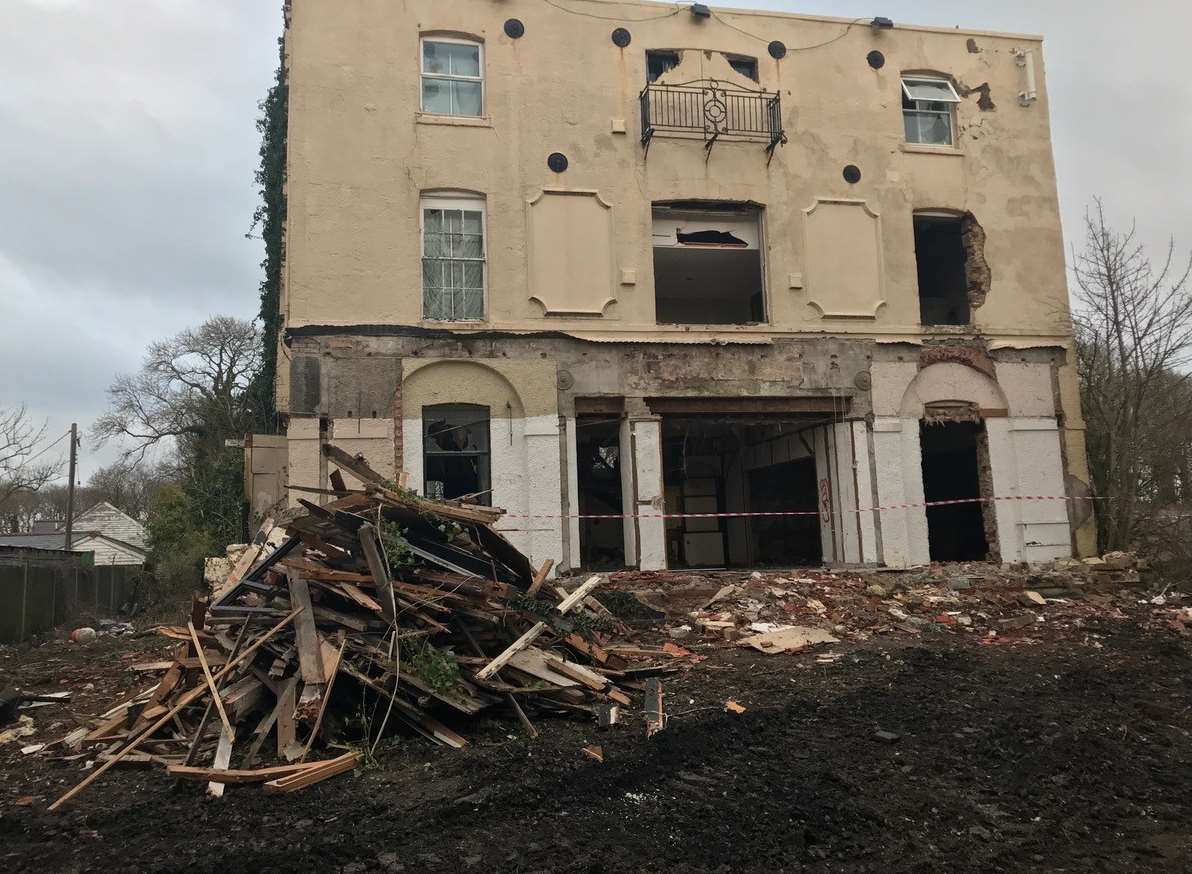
{"points": [[129, 488], [1133, 324], [192, 388], [23, 466]]}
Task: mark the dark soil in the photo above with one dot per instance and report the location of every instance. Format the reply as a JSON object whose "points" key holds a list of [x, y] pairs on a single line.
{"points": [[1063, 754]]}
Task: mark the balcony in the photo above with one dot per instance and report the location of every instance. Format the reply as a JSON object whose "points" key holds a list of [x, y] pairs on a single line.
{"points": [[711, 111]]}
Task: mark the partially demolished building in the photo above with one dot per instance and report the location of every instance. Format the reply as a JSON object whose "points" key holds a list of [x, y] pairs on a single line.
{"points": [[683, 287]]}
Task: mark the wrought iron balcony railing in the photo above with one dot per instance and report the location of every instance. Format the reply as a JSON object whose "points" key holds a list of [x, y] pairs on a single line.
{"points": [[714, 111]]}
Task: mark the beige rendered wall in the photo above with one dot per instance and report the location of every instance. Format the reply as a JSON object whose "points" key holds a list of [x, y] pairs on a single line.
{"points": [[361, 154]]}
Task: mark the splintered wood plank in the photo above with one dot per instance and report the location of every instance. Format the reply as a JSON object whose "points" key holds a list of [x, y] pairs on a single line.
{"points": [[286, 729], [534, 633], [540, 577], [262, 730], [353, 593], [312, 775], [655, 715], [223, 715], [370, 542], [223, 758], [336, 658], [306, 636], [184, 701], [228, 775]]}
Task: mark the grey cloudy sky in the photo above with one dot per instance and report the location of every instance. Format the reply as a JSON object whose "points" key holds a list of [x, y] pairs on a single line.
{"points": [[128, 144]]}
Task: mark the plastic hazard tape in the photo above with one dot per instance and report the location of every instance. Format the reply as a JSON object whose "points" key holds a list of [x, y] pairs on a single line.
{"points": [[826, 513]]}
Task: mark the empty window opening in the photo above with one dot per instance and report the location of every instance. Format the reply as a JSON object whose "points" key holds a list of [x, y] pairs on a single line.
{"points": [[452, 77], [453, 258], [598, 463], [929, 110], [708, 265], [941, 258], [743, 65], [741, 465], [951, 453], [659, 62], [455, 452]]}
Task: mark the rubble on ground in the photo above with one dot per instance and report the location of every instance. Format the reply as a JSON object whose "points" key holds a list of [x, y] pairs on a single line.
{"points": [[377, 611], [788, 611]]}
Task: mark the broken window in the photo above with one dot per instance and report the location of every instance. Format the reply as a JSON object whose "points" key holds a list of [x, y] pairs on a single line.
{"points": [[708, 264], [929, 110], [453, 258], [744, 65], [455, 452], [943, 276], [660, 62], [452, 77]]}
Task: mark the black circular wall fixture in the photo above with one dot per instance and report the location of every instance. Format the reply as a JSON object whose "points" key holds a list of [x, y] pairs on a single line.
{"points": [[557, 162], [852, 174], [876, 59], [622, 37], [514, 29], [777, 49]]}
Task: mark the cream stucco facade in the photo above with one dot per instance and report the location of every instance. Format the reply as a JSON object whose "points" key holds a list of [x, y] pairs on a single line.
{"points": [[695, 322]]}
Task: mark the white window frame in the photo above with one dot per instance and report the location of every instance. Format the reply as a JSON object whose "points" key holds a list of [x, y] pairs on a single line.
{"points": [[920, 108], [463, 202], [449, 77]]}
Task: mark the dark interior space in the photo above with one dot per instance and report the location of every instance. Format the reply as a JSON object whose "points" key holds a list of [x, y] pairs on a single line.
{"points": [[708, 263], [738, 464], [786, 540], [455, 452], [943, 283], [708, 286], [598, 460], [951, 472]]}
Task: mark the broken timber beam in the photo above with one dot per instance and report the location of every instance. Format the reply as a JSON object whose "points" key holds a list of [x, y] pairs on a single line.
{"points": [[539, 627], [184, 701]]}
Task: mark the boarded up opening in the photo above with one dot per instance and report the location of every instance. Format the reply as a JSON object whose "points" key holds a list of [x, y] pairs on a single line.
{"points": [[951, 454], [598, 462]]}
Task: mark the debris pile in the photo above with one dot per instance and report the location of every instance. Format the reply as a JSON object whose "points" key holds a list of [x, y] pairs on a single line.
{"points": [[788, 612], [375, 610]]}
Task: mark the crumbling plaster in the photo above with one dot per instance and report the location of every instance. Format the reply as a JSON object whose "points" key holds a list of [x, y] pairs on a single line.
{"points": [[360, 154]]}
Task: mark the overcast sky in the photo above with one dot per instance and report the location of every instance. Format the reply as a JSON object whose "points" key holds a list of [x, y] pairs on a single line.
{"points": [[128, 145]]}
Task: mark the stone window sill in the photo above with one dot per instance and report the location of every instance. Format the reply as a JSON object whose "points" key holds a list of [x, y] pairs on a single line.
{"points": [[919, 149], [453, 120]]}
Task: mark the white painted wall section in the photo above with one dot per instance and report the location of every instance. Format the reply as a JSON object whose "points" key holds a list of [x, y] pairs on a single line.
{"points": [[647, 457]]}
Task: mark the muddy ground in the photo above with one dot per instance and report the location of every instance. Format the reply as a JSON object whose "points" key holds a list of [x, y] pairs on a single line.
{"points": [[1050, 752]]}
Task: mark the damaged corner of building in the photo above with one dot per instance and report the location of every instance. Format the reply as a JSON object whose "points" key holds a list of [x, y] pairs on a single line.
{"points": [[954, 275]]}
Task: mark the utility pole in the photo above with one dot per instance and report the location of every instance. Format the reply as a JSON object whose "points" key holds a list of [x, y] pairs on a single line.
{"points": [[74, 442]]}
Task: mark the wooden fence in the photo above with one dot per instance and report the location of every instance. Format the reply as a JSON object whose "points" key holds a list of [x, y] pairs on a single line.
{"points": [[38, 593]]}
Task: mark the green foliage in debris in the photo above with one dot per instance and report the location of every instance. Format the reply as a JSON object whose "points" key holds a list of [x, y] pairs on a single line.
{"points": [[397, 548], [435, 667]]}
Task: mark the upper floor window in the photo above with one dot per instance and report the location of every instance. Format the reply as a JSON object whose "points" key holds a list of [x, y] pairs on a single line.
{"points": [[659, 62], [453, 258], [452, 77], [708, 264], [929, 110]]}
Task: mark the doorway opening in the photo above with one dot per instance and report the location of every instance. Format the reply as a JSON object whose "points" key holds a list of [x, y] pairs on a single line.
{"points": [[598, 462], [952, 453], [740, 464]]}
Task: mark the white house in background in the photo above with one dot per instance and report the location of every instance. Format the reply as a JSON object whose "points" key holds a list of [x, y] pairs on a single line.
{"points": [[112, 536]]}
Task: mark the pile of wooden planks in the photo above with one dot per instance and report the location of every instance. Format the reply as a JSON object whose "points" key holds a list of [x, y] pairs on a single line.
{"points": [[377, 611]]}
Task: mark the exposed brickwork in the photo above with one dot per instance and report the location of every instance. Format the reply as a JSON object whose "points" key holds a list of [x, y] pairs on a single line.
{"points": [[971, 353]]}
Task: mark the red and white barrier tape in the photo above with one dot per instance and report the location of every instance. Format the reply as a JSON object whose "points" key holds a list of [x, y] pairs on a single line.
{"points": [[740, 514]]}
